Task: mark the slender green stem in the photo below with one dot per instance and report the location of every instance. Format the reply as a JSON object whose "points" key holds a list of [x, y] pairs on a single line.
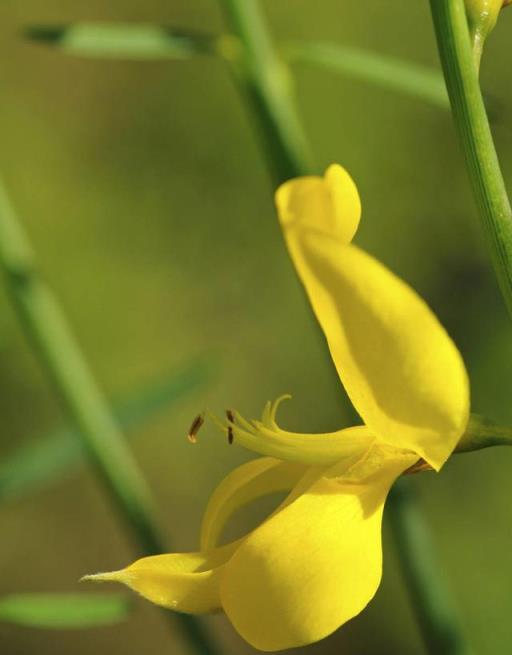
{"points": [[267, 84], [483, 433], [382, 70], [48, 332], [480, 433], [472, 125], [436, 616]]}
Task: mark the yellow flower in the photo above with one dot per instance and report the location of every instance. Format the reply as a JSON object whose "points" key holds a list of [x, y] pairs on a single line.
{"points": [[316, 561]]}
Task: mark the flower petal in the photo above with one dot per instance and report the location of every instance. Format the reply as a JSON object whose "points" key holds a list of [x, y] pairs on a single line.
{"points": [[315, 564], [328, 204], [186, 582], [400, 368], [246, 483]]}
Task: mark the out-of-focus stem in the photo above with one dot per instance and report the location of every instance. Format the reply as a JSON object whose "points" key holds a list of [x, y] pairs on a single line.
{"points": [[431, 602], [267, 84], [48, 332]]}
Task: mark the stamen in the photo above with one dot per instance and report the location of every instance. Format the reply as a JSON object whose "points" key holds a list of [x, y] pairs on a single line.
{"points": [[311, 449], [239, 420], [266, 414], [231, 419], [195, 427], [275, 406], [267, 438]]}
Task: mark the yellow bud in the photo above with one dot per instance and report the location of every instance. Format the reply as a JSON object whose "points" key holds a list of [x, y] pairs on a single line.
{"points": [[482, 17]]}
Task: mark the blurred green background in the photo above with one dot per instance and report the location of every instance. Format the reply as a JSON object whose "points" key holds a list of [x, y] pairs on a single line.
{"points": [[145, 194]]}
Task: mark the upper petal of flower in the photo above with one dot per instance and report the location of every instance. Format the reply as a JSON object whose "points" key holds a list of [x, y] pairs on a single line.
{"points": [[329, 204], [400, 368], [314, 564]]}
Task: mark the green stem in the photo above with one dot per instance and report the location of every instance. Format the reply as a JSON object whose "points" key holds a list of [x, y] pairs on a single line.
{"points": [[482, 433], [472, 125], [437, 619], [266, 81], [48, 332]]}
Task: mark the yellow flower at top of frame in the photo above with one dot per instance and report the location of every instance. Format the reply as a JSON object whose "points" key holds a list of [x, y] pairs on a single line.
{"points": [[316, 561]]}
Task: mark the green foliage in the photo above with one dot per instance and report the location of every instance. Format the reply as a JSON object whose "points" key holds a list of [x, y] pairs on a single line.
{"points": [[49, 457], [146, 41], [388, 72], [122, 40], [64, 611]]}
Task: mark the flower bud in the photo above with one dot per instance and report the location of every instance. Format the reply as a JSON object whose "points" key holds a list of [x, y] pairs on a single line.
{"points": [[482, 17]]}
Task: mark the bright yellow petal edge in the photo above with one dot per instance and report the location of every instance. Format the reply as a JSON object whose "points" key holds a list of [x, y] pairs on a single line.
{"points": [[328, 204]]}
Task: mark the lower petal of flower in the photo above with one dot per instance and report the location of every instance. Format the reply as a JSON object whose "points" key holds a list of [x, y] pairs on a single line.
{"points": [[246, 483], [186, 582], [317, 562]]}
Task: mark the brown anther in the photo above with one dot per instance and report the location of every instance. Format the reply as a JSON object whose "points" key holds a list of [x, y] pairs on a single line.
{"points": [[194, 428], [231, 419]]}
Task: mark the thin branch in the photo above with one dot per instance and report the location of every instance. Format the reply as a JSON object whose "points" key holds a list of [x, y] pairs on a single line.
{"points": [[475, 136], [47, 331]]}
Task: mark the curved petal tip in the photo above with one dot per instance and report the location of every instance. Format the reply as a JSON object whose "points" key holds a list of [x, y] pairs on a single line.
{"points": [[329, 204]]}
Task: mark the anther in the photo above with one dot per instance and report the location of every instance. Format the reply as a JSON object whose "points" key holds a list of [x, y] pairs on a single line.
{"points": [[231, 419], [195, 427]]}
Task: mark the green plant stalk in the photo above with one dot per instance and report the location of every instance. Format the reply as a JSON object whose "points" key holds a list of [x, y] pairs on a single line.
{"points": [[47, 458], [47, 330], [472, 125], [380, 70], [437, 619], [480, 433], [267, 84], [288, 158]]}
